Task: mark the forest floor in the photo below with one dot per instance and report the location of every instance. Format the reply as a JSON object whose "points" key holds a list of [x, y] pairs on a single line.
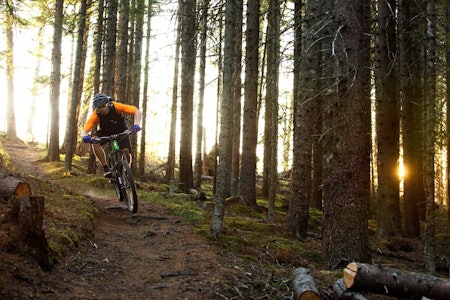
{"points": [[101, 251]]}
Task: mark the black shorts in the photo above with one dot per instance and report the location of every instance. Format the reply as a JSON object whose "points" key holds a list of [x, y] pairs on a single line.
{"points": [[124, 141]]}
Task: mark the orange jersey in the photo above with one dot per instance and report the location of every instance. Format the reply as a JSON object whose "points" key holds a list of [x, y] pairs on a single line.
{"points": [[119, 107]]}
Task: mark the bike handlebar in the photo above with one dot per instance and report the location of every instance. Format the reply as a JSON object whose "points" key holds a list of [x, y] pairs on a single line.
{"points": [[108, 138]]}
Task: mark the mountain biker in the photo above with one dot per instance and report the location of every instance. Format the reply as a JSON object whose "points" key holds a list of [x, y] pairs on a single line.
{"points": [[109, 115]]}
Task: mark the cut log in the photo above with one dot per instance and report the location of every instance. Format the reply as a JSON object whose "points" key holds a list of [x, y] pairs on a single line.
{"points": [[303, 285], [11, 186], [341, 292], [395, 283]]}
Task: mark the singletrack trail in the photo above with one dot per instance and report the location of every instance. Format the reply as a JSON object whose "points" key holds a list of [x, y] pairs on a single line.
{"points": [[148, 255]]}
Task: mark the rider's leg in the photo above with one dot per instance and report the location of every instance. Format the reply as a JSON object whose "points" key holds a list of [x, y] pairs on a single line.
{"points": [[101, 156], [128, 154]]}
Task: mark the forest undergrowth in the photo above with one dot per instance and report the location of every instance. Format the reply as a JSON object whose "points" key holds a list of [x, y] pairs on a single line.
{"points": [[257, 257]]}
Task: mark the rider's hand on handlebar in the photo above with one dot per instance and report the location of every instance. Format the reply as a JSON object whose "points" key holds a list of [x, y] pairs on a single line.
{"points": [[87, 139], [136, 128]]}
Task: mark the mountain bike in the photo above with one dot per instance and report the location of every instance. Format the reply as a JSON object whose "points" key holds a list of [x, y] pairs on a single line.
{"points": [[122, 177]]}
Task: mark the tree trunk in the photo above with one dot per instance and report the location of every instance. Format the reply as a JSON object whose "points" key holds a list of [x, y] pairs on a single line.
{"points": [[141, 162], [36, 84], [237, 97], [394, 283], [411, 70], [301, 183], [170, 170], [109, 59], [247, 177], [346, 137], [225, 141], [188, 50], [77, 87], [387, 122], [136, 71], [215, 152], [201, 94], [430, 134], [273, 65], [447, 76], [130, 56], [122, 57], [53, 149], [11, 115]]}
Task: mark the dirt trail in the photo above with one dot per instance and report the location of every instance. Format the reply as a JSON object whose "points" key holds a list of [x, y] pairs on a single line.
{"points": [[148, 255]]}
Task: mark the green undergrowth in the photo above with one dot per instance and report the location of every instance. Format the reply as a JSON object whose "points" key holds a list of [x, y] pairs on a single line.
{"points": [[246, 230]]}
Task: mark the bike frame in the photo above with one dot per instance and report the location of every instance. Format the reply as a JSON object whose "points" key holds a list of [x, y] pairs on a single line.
{"points": [[122, 177]]}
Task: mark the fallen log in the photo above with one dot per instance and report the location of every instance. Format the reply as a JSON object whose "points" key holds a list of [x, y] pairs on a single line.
{"points": [[11, 186], [341, 292], [395, 283], [304, 286]]}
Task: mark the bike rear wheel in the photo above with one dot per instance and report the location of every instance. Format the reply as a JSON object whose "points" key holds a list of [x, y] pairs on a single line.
{"points": [[128, 187]]}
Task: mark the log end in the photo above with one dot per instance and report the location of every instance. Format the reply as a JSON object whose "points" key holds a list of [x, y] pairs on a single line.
{"points": [[349, 274], [23, 190], [309, 295]]}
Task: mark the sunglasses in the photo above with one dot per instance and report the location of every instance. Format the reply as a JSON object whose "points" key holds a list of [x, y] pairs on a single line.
{"points": [[103, 106]]}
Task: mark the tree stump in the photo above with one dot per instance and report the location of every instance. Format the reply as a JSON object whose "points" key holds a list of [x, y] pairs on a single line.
{"points": [[27, 213], [396, 283], [304, 286]]}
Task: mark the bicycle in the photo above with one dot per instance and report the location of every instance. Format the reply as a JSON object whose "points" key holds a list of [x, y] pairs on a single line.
{"points": [[122, 177]]}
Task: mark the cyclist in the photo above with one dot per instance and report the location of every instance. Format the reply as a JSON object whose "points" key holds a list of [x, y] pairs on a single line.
{"points": [[109, 115]]}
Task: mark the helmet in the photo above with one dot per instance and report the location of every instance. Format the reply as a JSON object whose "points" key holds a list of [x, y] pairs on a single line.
{"points": [[100, 99]]}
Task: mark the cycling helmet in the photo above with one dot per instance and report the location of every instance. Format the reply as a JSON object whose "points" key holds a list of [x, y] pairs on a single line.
{"points": [[100, 99]]}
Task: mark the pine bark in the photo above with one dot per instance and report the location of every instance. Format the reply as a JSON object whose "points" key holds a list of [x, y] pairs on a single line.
{"points": [[141, 162], [237, 99], [226, 117], [273, 65], [122, 65], [77, 87], [304, 286], [394, 283], [11, 115], [346, 136], [136, 71], [387, 122], [198, 164], [411, 70], [170, 169], [188, 57], [109, 60], [53, 148], [247, 177], [430, 136]]}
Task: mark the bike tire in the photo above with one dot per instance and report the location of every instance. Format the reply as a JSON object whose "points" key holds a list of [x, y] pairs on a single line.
{"points": [[128, 187], [115, 179], [117, 189]]}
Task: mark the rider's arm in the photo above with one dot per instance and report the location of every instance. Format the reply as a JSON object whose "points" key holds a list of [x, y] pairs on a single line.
{"points": [[90, 123], [137, 117], [130, 110]]}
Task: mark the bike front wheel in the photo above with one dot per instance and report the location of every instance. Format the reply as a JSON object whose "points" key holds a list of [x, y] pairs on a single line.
{"points": [[128, 188]]}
